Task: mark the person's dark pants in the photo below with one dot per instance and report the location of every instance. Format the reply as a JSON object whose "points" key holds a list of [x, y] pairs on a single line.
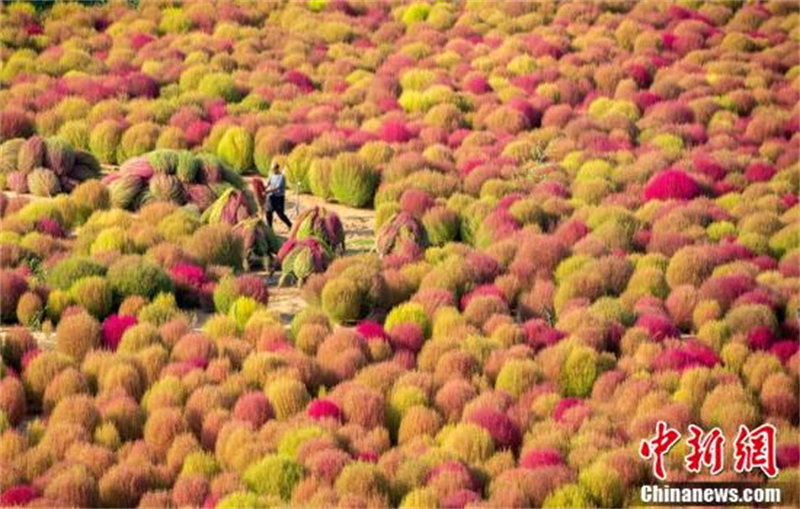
{"points": [[277, 204]]}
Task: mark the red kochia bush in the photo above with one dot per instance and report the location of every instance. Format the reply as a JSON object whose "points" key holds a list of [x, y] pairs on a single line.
{"points": [[539, 334], [19, 495], [788, 456], [114, 327], [536, 458], [253, 407], [488, 290], [690, 355], [324, 409], [369, 329], [451, 474], [759, 172], [658, 326], [562, 406], [12, 286], [252, 286], [672, 185], [416, 202], [504, 432], [407, 336], [395, 131]]}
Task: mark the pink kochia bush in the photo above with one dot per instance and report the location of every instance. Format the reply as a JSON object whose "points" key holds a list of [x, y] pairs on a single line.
{"points": [[324, 409], [537, 458], [672, 185], [192, 287], [113, 327], [504, 432], [19, 495], [658, 326], [689, 355]]}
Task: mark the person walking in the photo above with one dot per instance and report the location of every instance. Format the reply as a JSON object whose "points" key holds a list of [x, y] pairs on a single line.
{"points": [[276, 196]]}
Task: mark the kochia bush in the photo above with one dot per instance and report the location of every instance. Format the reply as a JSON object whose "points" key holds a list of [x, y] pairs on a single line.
{"points": [[352, 180]]}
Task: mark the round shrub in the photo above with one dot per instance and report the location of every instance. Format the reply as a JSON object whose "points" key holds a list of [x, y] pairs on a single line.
{"points": [[288, 397], [59, 155], [273, 475], [161, 428], [362, 479], [253, 407], [77, 334], [138, 337], [30, 309], [125, 483], [73, 487], [216, 245], [17, 343], [319, 176], [135, 275], [12, 399], [12, 288], [104, 140], [689, 265], [94, 294], [603, 484], [409, 312], [469, 443], [342, 300], [442, 225], [568, 495], [579, 371], [219, 84], [66, 272], [352, 180], [43, 182], [67, 383], [137, 140], [236, 148], [517, 376], [90, 196]]}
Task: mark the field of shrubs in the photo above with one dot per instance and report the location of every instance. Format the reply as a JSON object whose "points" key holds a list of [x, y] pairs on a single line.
{"points": [[586, 221]]}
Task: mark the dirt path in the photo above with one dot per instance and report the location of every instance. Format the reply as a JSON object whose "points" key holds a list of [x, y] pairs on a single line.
{"points": [[359, 229]]}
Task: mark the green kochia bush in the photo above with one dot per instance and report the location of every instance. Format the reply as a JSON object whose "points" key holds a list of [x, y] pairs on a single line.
{"points": [[470, 443], [216, 245], [517, 376], [409, 312], [579, 371], [95, 294], [66, 272], [342, 300], [273, 475], [288, 396], [104, 140], [236, 149], [352, 180], [603, 484], [297, 166], [135, 275], [220, 84]]}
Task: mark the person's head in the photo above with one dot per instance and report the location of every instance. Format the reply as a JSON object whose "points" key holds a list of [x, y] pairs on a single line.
{"points": [[276, 168]]}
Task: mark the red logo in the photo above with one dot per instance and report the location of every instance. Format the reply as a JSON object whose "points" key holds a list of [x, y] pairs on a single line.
{"points": [[705, 449], [658, 446], [753, 449]]}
